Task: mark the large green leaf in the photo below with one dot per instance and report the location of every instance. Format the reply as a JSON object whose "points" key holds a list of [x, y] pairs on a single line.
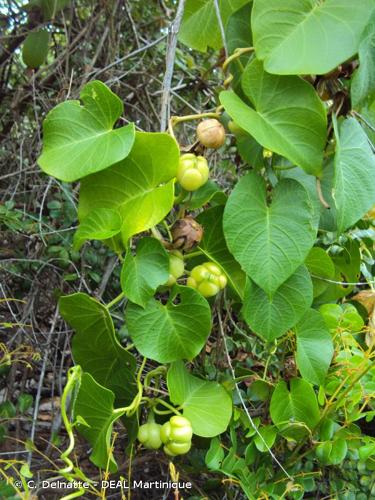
{"points": [[80, 140], [96, 348], [207, 405], [321, 268], [237, 35], [200, 28], [142, 273], [314, 347], [172, 331], [362, 90], [354, 183], [307, 36], [238, 30], [269, 241], [296, 404], [288, 116], [99, 224], [214, 246], [94, 405], [139, 187], [271, 318]]}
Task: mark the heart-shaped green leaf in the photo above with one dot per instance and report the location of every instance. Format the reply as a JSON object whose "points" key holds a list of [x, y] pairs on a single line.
{"points": [[269, 241], [170, 332], [206, 404], [271, 318], [306, 36], [354, 183], [80, 140], [96, 348], [200, 27], [93, 407], [297, 404], [100, 224], [314, 347], [140, 187], [214, 247], [296, 130], [142, 273]]}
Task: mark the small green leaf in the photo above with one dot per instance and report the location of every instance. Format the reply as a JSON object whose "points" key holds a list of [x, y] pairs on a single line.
{"points": [[321, 268], [214, 455], [314, 347], [25, 401], [170, 332], [214, 247], [327, 429], [99, 224], [274, 124], [26, 472], [140, 188], [95, 346], [305, 36], [80, 140], [269, 241], [142, 273], [297, 404], [347, 270], [208, 193], [268, 433], [200, 28], [35, 48], [332, 452], [271, 318], [206, 404], [354, 183], [94, 404]]}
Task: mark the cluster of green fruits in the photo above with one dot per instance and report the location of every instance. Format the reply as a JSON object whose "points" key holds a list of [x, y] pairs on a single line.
{"points": [[193, 171], [207, 278], [175, 435]]}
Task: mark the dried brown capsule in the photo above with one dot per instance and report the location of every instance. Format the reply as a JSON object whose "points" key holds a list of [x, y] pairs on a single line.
{"points": [[186, 233], [211, 133]]}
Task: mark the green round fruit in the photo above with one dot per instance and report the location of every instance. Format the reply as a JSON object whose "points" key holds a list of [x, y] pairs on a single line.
{"points": [[176, 435], [207, 278], [149, 435], [208, 289], [192, 171], [174, 448], [176, 267], [35, 48], [200, 273]]}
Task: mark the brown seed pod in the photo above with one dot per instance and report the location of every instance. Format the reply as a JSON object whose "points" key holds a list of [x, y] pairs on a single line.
{"points": [[186, 233], [211, 133]]}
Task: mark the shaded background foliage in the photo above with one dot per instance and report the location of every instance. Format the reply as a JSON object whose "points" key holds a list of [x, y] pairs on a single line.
{"points": [[124, 44]]}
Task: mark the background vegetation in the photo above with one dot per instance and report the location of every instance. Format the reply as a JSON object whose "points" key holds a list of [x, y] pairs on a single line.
{"points": [[128, 45]]}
